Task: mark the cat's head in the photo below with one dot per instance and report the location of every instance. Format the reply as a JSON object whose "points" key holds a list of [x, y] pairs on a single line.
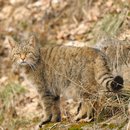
{"points": [[25, 53]]}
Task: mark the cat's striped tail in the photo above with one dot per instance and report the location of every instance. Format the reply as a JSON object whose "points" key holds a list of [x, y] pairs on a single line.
{"points": [[105, 77], [117, 83], [112, 83]]}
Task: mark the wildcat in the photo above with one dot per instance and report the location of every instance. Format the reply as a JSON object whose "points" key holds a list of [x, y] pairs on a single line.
{"points": [[74, 72]]}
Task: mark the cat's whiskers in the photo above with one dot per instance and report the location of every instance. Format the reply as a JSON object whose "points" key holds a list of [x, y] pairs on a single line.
{"points": [[32, 66]]}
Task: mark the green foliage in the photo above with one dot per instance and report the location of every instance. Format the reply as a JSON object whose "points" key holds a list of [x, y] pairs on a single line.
{"points": [[16, 123], [23, 25], [9, 91], [74, 128], [8, 94], [1, 116], [110, 25]]}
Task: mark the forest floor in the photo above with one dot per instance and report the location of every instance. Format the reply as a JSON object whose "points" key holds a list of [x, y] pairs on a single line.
{"points": [[68, 22]]}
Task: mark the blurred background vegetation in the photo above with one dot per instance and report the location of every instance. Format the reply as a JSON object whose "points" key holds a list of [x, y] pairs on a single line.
{"points": [[68, 22]]}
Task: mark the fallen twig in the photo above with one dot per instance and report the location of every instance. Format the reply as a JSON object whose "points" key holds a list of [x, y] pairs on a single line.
{"points": [[54, 125]]}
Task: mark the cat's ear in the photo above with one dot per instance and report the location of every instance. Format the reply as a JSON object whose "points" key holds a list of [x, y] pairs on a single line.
{"points": [[12, 43], [32, 41]]}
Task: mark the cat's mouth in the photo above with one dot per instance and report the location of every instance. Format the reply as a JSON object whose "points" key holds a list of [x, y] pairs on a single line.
{"points": [[26, 63], [23, 63]]}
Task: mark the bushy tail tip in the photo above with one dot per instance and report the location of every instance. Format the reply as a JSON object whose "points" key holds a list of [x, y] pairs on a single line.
{"points": [[117, 83]]}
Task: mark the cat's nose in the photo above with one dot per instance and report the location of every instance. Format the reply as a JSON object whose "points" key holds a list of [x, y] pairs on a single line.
{"points": [[22, 56]]}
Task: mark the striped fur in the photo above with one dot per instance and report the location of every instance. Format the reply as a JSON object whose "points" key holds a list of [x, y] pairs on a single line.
{"points": [[74, 72]]}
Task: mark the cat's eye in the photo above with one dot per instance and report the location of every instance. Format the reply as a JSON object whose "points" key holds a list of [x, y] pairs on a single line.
{"points": [[30, 52]]}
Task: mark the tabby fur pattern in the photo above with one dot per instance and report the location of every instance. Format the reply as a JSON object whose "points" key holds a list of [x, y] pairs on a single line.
{"points": [[80, 73]]}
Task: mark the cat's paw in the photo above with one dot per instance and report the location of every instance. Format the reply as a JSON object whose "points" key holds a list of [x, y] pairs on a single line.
{"points": [[56, 118], [45, 120], [87, 119], [38, 128], [77, 118]]}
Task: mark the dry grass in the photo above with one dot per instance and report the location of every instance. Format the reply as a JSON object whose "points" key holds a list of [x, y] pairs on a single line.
{"points": [[100, 19]]}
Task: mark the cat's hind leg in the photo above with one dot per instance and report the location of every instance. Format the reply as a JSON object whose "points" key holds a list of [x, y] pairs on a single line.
{"points": [[84, 113]]}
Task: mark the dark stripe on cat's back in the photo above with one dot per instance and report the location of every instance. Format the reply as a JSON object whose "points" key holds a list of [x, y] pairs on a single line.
{"points": [[54, 53], [67, 52], [49, 51]]}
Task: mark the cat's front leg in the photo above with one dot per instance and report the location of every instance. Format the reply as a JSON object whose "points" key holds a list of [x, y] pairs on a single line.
{"points": [[51, 109], [56, 114], [47, 103]]}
